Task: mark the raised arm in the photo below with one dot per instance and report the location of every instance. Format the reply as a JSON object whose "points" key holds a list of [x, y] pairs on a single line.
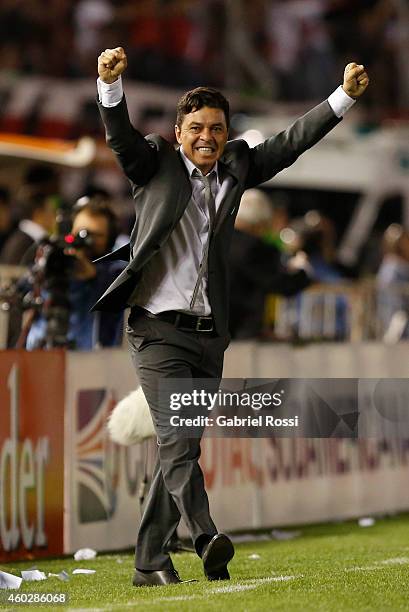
{"points": [[136, 156], [282, 150]]}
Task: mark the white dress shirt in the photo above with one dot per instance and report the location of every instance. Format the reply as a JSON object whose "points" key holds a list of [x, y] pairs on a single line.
{"points": [[169, 277], [32, 229]]}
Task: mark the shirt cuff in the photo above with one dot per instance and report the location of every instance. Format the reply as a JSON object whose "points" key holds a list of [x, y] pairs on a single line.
{"points": [[340, 102], [110, 94]]}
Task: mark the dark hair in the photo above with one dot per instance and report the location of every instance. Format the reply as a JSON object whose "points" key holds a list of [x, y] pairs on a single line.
{"points": [[43, 178], [198, 98], [30, 200], [92, 191], [99, 207]]}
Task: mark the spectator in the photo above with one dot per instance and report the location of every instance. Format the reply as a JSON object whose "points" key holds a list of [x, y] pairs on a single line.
{"points": [[256, 267], [37, 203], [38, 221], [279, 221], [88, 330], [147, 55], [314, 234], [393, 284], [368, 30], [300, 49], [91, 17], [184, 42]]}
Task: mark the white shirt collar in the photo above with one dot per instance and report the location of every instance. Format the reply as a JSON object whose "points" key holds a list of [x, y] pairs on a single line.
{"points": [[32, 229], [191, 167]]}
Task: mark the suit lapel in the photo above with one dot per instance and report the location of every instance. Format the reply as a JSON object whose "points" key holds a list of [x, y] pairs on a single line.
{"points": [[185, 191], [227, 205]]}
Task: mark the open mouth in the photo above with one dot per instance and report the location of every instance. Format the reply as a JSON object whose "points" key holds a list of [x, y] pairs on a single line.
{"points": [[205, 149]]}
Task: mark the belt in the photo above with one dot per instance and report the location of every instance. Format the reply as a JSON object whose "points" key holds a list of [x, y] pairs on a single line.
{"points": [[180, 320]]}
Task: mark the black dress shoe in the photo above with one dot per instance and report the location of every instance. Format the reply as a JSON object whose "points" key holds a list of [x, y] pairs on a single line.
{"points": [[155, 578], [216, 555], [222, 574]]}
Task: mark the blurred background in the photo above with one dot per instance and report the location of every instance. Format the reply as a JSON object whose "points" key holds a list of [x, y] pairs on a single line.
{"points": [[345, 204], [319, 259]]}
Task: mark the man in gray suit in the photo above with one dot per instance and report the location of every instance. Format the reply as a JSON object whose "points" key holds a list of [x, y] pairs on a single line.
{"points": [[176, 280]]}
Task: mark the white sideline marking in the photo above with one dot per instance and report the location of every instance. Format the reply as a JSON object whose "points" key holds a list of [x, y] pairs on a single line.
{"points": [[396, 561], [175, 598], [379, 565], [367, 568], [235, 588], [252, 584]]}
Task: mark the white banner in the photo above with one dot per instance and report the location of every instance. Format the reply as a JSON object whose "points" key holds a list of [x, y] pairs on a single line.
{"points": [[251, 483], [272, 482], [102, 480]]}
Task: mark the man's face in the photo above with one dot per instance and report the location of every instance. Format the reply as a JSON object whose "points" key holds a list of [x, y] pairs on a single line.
{"points": [[45, 215], [97, 226], [203, 135]]}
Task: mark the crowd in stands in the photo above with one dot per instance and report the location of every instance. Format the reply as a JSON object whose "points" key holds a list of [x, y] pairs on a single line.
{"points": [[302, 44], [272, 254], [289, 50]]}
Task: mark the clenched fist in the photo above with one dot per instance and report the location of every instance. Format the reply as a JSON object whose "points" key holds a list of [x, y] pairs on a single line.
{"points": [[111, 63], [355, 80]]}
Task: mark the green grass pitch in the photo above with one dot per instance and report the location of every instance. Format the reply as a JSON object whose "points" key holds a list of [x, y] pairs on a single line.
{"points": [[336, 567]]}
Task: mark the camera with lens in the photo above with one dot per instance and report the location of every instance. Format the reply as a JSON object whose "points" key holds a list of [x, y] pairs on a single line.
{"points": [[51, 274]]}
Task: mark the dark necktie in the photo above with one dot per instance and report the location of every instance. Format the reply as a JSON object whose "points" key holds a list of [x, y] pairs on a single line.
{"points": [[210, 206]]}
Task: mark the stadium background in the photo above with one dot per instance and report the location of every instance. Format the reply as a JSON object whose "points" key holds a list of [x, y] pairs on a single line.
{"points": [[63, 484]]}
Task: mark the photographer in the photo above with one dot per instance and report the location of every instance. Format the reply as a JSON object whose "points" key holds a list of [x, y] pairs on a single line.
{"points": [[36, 202], [37, 221], [94, 231]]}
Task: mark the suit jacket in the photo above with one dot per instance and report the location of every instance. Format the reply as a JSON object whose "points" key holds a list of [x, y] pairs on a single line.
{"points": [[15, 247], [161, 190]]}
